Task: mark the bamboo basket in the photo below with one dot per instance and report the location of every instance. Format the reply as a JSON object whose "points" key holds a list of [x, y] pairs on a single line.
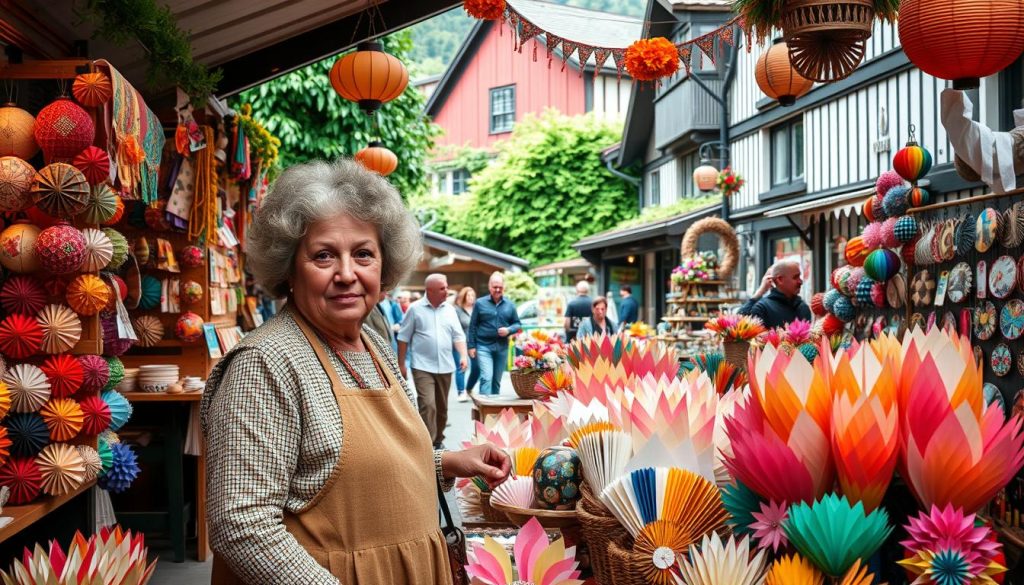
{"points": [[826, 38], [736, 353], [599, 529], [524, 381]]}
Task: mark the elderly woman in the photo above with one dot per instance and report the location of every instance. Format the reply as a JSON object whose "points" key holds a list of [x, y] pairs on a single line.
{"points": [[598, 323], [319, 469]]}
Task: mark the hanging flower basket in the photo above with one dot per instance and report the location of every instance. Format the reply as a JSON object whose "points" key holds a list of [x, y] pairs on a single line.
{"points": [[826, 38]]}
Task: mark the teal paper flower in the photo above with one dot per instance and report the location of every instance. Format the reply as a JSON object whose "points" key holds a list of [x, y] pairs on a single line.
{"points": [[741, 503], [833, 534]]}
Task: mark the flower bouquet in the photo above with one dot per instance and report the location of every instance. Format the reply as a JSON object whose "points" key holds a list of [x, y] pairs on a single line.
{"points": [[536, 354], [695, 268], [729, 182], [737, 332], [640, 330]]}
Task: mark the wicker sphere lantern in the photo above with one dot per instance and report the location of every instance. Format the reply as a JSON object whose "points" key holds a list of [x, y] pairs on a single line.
{"points": [[17, 132], [962, 40], [369, 76], [63, 129], [705, 177], [377, 158], [777, 78]]}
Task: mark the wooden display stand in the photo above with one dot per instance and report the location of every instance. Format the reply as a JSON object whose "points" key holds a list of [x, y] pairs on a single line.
{"points": [[698, 301]]}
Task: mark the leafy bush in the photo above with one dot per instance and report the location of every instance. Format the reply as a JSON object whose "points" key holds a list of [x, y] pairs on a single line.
{"points": [[520, 287]]}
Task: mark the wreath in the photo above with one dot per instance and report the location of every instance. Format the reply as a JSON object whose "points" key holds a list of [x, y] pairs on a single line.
{"points": [[726, 234]]}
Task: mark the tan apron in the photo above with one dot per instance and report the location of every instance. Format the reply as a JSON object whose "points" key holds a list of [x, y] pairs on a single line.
{"points": [[375, 520]]}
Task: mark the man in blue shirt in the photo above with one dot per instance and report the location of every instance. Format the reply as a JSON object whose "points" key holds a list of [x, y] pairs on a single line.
{"points": [[494, 318], [629, 310]]}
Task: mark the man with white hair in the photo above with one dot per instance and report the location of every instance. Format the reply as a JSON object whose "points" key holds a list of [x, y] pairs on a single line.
{"points": [[493, 320], [579, 309], [782, 303]]}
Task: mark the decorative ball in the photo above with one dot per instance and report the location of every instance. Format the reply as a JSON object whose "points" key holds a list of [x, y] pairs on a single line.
{"points": [[95, 415], [152, 290], [64, 373], [118, 212], [101, 206], [20, 336], [123, 470], [888, 233], [556, 478], [18, 247], [112, 343], [28, 433], [856, 250], [856, 276], [192, 291], [872, 235], [896, 201], [17, 132], [905, 229], [809, 351], [912, 162], [16, 180], [120, 248], [22, 294], [843, 284], [90, 459], [869, 208], [908, 251], [5, 397], [61, 249], [60, 190], [98, 250], [817, 304], [831, 296], [120, 408], [62, 469], [863, 293], [839, 274], [88, 294], [63, 417], [95, 372], [92, 89], [103, 451], [878, 207], [886, 181], [844, 310], [23, 478], [61, 328], [830, 325], [189, 327], [878, 295], [156, 216], [192, 256], [94, 162], [882, 265], [919, 197], [116, 367], [63, 129]]}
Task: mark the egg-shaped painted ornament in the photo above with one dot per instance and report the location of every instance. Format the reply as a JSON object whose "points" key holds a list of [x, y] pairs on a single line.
{"points": [[844, 310], [63, 129], [856, 251], [832, 296], [919, 197], [192, 256], [61, 249], [92, 89], [556, 478], [905, 229], [17, 132], [896, 201], [912, 162], [189, 327], [863, 292], [886, 181], [16, 180], [18, 247], [191, 291]]}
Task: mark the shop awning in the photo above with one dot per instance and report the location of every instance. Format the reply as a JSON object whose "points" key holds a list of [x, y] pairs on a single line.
{"points": [[674, 225], [848, 203], [455, 249]]}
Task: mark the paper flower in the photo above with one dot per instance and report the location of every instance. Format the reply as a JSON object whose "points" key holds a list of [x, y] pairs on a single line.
{"points": [[88, 294], [95, 415], [833, 534], [553, 381], [546, 428], [724, 374], [729, 182], [767, 526], [537, 562], [95, 371], [61, 328], [105, 452], [63, 417], [968, 546], [485, 9], [28, 433], [123, 470], [65, 374], [741, 503], [120, 408], [652, 59], [98, 250], [20, 336], [793, 570], [21, 475], [112, 556], [616, 361], [736, 327], [61, 468], [22, 294], [715, 563], [515, 491], [150, 330], [28, 386]]}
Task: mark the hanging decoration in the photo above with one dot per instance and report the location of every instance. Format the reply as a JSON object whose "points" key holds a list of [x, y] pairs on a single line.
{"points": [[705, 177], [17, 132], [16, 179], [729, 182], [369, 77], [377, 158], [652, 59], [485, 9], [912, 162], [92, 89], [777, 78], [63, 129]]}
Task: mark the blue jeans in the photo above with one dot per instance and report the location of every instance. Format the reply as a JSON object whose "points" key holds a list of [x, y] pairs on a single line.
{"points": [[460, 376], [491, 361]]}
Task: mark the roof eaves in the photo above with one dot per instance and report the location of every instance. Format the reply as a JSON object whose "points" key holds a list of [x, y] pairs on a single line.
{"points": [[477, 251], [455, 69], [664, 226]]}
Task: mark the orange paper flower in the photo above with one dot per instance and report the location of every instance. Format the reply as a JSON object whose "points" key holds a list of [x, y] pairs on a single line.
{"points": [[651, 59], [485, 9]]}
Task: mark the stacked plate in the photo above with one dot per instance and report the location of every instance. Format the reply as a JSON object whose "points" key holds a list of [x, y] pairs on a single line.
{"points": [[130, 380], [193, 384], [156, 378]]}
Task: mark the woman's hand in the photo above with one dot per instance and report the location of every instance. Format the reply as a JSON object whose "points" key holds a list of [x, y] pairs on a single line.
{"points": [[486, 461]]}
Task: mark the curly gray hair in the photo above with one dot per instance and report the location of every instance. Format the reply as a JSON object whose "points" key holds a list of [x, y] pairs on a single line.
{"points": [[313, 191]]}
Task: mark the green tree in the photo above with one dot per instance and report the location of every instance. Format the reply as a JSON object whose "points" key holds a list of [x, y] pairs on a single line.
{"points": [[314, 122]]}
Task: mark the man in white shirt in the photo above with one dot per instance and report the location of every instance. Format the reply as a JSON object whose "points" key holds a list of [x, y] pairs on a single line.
{"points": [[432, 330]]}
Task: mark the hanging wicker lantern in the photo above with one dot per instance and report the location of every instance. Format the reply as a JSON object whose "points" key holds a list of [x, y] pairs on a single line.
{"points": [[826, 37], [16, 132], [378, 159], [777, 78], [63, 129], [962, 40], [705, 177], [369, 76]]}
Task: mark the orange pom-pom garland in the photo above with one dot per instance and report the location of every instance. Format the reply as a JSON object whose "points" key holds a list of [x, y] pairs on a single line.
{"points": [[651, 59], [485, 9]]}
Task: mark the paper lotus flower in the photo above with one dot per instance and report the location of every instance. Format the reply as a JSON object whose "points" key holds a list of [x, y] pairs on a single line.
{"points": [[61, 328], [946, 543], [767, 526], [16, 178], [537, 562], [22, 294], [616, 361], [110, 557], [60, 190], [61, 249], [113, 344], [120, 248], [149, 330], [94, 163], [120, 408], [793, 570], [28, 433], [90, 461], [88, 294], [28, 386], [65, 374], [715, 563], [98, 250], [61, 469], [95, 371], [95, 415], [23, 478], [63, 417], [101, 206], [17, 247], [20, 336], [833, 534]]}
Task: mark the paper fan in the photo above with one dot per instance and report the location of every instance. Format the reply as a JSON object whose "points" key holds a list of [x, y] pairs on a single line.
{"points": [[120, 248], [63, 417], [60, 190], [101, 206], [858, 575], [123, 470], [523, 459], [149, 330], [95, 415], [21, 475], [91, 461], [29, 387], [645, 495], [61, 468], [116, 368], [5, 394], [61, 328], [659, 544], [28, 433], [98, 250], [88, 294], [16, 178], [120, 409], [536, 561], [515, 491], [603, 453], [118, 213], [833, 534], [22, 294], [715, 563], [92, 89], [94, 164], [793, 570], [20, 336], [95, 371], [65, 374], [151, 291], [113, 343], [61, 249]]}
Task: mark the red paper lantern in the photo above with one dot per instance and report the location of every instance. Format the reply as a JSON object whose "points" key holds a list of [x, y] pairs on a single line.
{"points": [[63, 129], [378, 159], [96, 415], [94, 164], [20, 336], [369, 76], [777, 78], [962, 40], [65, 374], [22, 476]]}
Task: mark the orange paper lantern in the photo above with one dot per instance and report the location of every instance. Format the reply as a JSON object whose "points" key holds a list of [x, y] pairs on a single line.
{"points": [[369, 76], [378, 159], [856, 251], [777, 78], [17, 132], [705, 177]]}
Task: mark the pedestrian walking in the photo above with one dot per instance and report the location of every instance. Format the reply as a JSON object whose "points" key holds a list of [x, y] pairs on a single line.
{"points": [[629, 309], [579, 309], [493, 320], [464, 309]]}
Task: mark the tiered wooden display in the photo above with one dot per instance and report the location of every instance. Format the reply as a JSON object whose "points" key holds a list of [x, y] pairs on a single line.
{"points": [[687, 311]]}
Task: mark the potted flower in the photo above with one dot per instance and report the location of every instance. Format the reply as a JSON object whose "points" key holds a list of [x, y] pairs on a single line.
{"points": [[536, 354], [737, 331], [729, 182]]}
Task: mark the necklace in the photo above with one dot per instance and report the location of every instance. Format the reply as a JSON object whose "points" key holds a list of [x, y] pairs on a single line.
{"points": [[360, 380]]}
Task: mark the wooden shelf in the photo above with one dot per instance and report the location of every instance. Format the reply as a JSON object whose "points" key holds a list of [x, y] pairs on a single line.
{"points": [[28, 514], [686, 319], [163, 396], [705, 283], [698, 301]]}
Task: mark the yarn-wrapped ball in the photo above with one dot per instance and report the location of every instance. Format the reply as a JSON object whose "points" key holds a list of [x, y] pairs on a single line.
{"points": [[831, 296], [844, 310], [872, 235], [123, 470], [830, 325], [22, 294], [28, 433], [112, 343], [62, 469], [116, 367], [191, 256], [120, 248], [809, 351], [61, 249], [856, 250], [95, 372], [896, 201], [101, 206], [96, 415], [18, 247], [62, 329], [889, 233], [863, 293], [149, 330], [63, 417], [189, 327], [886, 181], [94, 163], [919, 197], [191, 291], [882, 265], [817, 304], [120, 408], [63, 129], [905, 229], [65, 374], [92, 89], [118, 212], [98, 250], [16, 180], [16, 132], [60, 190], [88, 294], [20, 336], [90, 460], [22, 477], [878, 295]]}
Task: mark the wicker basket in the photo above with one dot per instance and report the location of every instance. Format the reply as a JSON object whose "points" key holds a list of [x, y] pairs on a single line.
{"points": [[524, 381], [599, 529], [826, 38], [736, 353], [626, 567], [490, 514]]}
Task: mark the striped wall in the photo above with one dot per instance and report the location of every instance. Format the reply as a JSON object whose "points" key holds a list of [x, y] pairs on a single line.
{"points": [[750, 160], [611, 97]]}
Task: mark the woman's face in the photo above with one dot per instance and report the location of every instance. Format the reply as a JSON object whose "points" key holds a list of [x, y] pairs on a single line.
{"points": [[470, 297], [600, 310], [337, 272]]}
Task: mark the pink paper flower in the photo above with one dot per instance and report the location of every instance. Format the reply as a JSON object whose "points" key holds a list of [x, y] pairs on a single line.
{"points": [[768, 526]]}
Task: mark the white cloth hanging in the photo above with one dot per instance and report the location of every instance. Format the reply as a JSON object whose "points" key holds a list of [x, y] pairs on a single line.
{"points": [[989, 153]]}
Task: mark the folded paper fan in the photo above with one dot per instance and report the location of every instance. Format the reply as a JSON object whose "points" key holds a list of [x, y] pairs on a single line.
{"points": [[22, 294], [94, 164], [833, 534], [646, 495], [120, 409], [858, 575], [151, 291], [659, 544], [95, 372], [16, 178], [92, 89], [88, 294], [123, 470], [116, 367], [793, 570], [28, 386], [61, 328], [149, 329], [61, 469], [28, 433], [536, 561], [101, 206], [61, 249], [603, 454], [91, 461], [120, 248], [63, 417], [60, 190], [20, 336], [113, 343], [715, 563], [515, 491], [118, 212], [65, 374], [21, 475], [95, 415], [98, 250], [5, 445]]}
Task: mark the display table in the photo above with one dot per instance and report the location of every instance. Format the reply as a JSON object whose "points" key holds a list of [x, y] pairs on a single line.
{"points": [[494, 404], [28, 514]]}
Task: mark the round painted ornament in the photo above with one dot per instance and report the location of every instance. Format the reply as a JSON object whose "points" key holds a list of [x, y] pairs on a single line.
{"points": [[986, 229], [16, 180], [993, 397], [556, 478], [985, 320], [1011, 319], [896, 292], [191, 291], [961, 280], [1001, 360], [18, 247], [61, 249], [192, 256], [63, 129], [189, 327], [1002, 277], [881, 265], [912, 162], [17, 128], [922, 289]]}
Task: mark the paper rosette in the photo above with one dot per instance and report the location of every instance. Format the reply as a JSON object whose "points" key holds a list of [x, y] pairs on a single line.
{"points": [[103, 443], [793, 570], [22, 294], [101, 206], [64, 373], [61, 468], [833, 534], [95, 372], [28, 386], [120, 248], [112, 343], [94, 164], [151, 291], [95, 415], [91, 461], [21, 475], [149, 329], [120, 408], [20, 336], [948, 546], [61, 328], [60, 190], [5, 394], [88, 294], [61, 249], [16, 177], [116, 368], [63, 417], [123, 470], [92, 89], [28, 433], [98, 250], [716, 563]]}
